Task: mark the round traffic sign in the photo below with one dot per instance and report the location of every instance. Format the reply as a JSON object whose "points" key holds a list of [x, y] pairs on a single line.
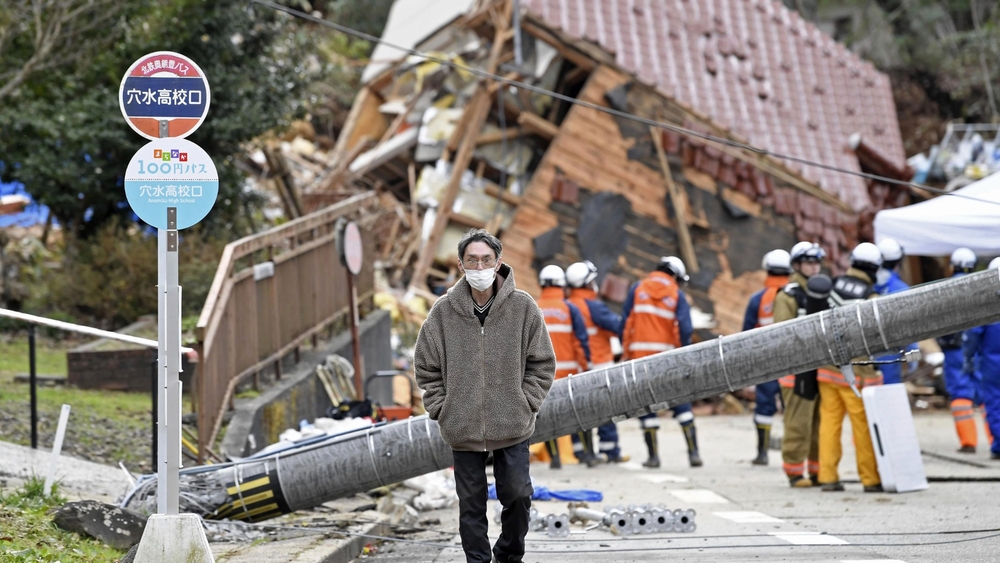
{"points": [[353, 253], [171, 173], [164, 94]]}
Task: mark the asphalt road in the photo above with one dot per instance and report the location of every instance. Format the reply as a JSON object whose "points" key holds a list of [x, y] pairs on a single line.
{"points": [[747, 513]]}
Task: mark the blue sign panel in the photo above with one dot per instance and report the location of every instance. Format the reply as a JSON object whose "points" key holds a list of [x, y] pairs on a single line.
{"points": [[164, 98], [171, 173]]}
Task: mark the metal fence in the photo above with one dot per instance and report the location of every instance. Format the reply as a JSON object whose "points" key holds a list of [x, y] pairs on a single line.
{"points": [[272, 291]]}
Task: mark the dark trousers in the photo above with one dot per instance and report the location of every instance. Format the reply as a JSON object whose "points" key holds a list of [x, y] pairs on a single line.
{"points": [[510, 468]]}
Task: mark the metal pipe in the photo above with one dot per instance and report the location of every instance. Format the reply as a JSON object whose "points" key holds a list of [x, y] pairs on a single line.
{"points": [[401, 450], [33, 383], [70, 327]]}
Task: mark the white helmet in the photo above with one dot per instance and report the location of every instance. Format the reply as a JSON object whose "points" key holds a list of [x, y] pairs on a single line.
{"points": [[675, 267], [994, 264], [777, 262], [963, 259], [552, 275], [581, 274], [806, 251], [890, 249], [867, 255]]}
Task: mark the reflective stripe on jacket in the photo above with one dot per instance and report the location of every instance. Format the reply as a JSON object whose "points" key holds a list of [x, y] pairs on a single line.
{"points": [[568, 343], [651, 326]]}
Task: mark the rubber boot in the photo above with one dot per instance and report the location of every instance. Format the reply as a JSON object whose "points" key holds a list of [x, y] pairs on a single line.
{"points": [[552, 447], [691, 435], [654, 458], [592, 459], [763, 441]]}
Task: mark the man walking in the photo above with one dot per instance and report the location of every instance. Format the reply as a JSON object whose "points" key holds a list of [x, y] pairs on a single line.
{"points": [[760, 312], [484, 387]]}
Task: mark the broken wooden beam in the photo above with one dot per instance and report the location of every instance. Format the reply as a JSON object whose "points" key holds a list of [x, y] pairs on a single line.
{"points": [[687, 247], [538, 125]]}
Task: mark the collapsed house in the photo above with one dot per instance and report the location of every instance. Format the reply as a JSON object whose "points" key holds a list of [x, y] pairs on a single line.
{"points": [[448, 150]]}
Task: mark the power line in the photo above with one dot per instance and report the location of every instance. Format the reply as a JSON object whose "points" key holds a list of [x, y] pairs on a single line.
{"points": [[611, 111]]}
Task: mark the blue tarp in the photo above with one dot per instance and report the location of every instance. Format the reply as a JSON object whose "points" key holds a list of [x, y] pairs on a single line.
{"points": [[33, 214], [544, 493]]}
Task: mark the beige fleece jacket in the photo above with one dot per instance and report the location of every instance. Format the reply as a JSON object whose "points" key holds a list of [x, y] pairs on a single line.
{"points": [[484, 384]]}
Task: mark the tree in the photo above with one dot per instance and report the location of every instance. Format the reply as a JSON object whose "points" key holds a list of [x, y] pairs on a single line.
{"points": [[942, 56], [64, 138], [43, 35]]}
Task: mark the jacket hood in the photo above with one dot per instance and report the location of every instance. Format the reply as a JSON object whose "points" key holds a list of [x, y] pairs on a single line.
{"points": [[460, 294], [662, 289]]}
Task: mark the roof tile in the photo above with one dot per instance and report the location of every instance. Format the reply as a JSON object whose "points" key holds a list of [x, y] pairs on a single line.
{"points": [[807, 95]]}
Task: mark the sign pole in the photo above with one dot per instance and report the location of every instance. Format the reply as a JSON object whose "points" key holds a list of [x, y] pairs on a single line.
{"points": [[171, 184], [355, 339]]}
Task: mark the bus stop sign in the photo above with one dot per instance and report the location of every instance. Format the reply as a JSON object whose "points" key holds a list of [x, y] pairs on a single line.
{"points": [[164, 94]]}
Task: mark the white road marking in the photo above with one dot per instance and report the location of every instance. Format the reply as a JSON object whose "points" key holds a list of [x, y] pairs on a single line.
{"points": [[872, 561], [809, 538], [748, 517], [657, 478], [632, 466], [699, 496]]}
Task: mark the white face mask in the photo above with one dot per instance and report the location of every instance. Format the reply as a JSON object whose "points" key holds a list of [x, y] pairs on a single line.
{"points": [[481, 280]]}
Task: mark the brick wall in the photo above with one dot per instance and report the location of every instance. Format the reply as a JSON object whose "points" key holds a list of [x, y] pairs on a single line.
{"points": [[117, 370]]}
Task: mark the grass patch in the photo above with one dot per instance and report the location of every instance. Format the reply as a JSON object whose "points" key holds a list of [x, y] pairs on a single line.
{"points": [[28, 535], [104, 426], [50, 356]]}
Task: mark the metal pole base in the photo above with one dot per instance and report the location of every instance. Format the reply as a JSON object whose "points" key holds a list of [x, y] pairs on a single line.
{"points": [[174, 538]]}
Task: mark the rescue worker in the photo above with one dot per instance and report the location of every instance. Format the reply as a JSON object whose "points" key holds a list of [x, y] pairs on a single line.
{"points": [[603, 324], [760, 312], [657, 318], [984, 341], [800, 444], [962, 387], [836, 396], [888, 281], [567, 331]]}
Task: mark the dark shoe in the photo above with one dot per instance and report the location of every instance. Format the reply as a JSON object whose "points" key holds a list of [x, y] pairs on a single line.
{"points": [[994, 455], [874, 488], [694, 459], [619, 459], [653, 462], [967, 450], [552, 447], [593, 461], [691, 436], [815, 479], [763, 441], [649, 435], [834, 487]]}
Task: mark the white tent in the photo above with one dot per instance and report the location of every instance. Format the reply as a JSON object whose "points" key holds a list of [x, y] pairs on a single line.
{"points": [[938, 226]]}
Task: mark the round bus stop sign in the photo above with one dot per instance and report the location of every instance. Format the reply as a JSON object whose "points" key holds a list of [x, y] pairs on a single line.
{"points": [[171, 173], [164, 94]]}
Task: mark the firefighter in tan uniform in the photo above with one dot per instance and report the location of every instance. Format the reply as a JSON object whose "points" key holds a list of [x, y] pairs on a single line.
{"points": [[799, 393]]}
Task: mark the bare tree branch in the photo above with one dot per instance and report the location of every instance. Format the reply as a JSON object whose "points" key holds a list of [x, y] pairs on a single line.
{"points": [[55, 29]]}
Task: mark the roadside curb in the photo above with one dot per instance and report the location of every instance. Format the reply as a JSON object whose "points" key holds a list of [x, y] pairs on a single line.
{"points": [[332, 547]]}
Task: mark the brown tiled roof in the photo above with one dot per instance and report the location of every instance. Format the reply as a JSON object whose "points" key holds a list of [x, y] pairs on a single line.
{"points": [[754, 67]]}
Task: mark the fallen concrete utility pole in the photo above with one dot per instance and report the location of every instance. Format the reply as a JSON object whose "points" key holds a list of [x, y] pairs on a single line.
{"points": [[258, 489]]}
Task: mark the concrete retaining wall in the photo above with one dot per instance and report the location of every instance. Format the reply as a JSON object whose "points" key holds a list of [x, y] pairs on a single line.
{"points": [[300, 394]]}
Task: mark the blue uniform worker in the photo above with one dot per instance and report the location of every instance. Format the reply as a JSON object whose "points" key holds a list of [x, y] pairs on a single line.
{"points": [[962, 385], [760, 312], [984, 342], [890, 282]]}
